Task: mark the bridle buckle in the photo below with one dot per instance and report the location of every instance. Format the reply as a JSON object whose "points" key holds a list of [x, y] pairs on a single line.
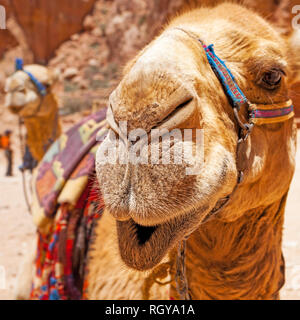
{"points": [[245, 128], [248, 129]]}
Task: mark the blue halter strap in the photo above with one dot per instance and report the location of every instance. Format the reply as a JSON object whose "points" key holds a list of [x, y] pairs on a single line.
{"points": [[258, 114], [233, 91], [41, 88]]}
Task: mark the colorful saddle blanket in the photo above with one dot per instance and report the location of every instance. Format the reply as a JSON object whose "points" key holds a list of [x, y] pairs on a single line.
{"points": [[66, 206]]}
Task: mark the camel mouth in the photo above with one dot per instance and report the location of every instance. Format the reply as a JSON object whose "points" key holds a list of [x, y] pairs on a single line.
{"points": [[15, 109], [143, 247], [144, 233]]}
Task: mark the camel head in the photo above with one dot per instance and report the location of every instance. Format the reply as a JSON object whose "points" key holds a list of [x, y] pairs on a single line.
{"points": [[22, 96], [171, 85], [39, 109]]}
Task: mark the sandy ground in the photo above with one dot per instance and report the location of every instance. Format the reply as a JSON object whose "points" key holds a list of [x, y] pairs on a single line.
{"points": [[17, 232]]}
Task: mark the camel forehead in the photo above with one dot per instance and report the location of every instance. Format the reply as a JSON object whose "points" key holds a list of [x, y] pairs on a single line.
{"points": [[40, 72], [166, 65], [17, 80], [169, 53], [174, 59]]}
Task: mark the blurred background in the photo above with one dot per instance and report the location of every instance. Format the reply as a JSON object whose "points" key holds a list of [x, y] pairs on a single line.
{"points": [[89, 41]]}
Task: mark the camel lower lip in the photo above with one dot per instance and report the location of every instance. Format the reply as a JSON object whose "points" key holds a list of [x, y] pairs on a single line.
{"points": [[142, 248]]}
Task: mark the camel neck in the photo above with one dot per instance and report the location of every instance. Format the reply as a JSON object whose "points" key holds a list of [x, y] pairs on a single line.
{"points": [[240, 259], [44, 128]]}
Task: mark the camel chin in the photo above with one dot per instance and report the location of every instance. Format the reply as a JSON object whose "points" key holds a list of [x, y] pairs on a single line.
{"points": [[151, 243], [27, 110], [15, 109]]}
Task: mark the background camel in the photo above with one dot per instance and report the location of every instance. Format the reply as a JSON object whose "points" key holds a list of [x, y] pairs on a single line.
{"points": [[40, 113], [248, 222]]}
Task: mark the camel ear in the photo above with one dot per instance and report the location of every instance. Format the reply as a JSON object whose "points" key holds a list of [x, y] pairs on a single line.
{"points": [[294, 56], [54, 76]]}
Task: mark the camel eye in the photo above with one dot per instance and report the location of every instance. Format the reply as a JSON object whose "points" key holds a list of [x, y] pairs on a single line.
{"points": [[272, 79]]}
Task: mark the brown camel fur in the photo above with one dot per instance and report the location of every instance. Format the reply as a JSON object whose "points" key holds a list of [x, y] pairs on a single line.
{"points": [[40, 114], [236, 254]]}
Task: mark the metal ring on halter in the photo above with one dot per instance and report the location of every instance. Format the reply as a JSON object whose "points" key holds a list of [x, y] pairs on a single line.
{"points": [[246, 127]]}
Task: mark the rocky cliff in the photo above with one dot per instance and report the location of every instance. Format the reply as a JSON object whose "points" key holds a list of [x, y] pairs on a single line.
{"points": [[7, 39], [47, 24], [90, 40], [126, 24]]}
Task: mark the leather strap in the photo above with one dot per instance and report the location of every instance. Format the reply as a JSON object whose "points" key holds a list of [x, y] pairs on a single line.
{"points": [[265, 114]]}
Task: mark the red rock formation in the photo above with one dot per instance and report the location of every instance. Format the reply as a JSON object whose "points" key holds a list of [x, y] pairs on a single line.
{"points": [[47, 24], [131, 24], [134, 23], [7, 40], [113, 33]]}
